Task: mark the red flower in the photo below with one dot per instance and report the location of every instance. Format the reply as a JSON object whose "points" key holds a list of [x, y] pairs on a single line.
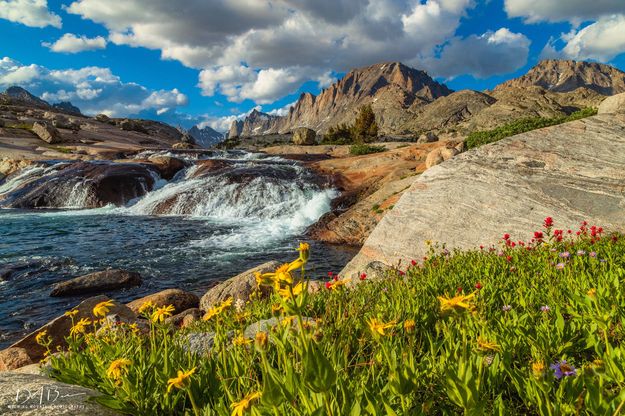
{"points": [[509, 258], [328, 285], [401, 273], [614, 238], [481, 247], [413, 262], [506, 236], [459, 289], [363, 276], [548, 222], [336, 277], [478, 285], [330, 274], [538, 235]]}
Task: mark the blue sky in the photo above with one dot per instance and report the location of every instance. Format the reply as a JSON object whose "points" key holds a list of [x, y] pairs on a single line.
{"points": [[213, 61]]}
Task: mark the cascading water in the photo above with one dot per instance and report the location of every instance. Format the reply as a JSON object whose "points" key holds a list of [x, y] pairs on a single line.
{"points": [[224, 213]]}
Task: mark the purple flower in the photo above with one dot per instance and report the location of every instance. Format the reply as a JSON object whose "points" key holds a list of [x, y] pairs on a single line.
{"points": [[560, 266], [506, 308], [562, 369], [603, 260], [565, 255], [580, 252], [592, 254], [545, 308]]}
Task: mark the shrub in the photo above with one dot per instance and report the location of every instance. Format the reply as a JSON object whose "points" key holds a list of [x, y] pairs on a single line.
{"points": [[365, 149], [479, 138], [340, 134], [521, 328], [364, 129]]}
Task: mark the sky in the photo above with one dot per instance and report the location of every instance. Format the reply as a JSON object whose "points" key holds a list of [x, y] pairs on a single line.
{"points": [[209, 62]]}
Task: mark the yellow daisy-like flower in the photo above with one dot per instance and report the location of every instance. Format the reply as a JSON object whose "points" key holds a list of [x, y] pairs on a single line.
{"points": [[101, 309], [288, 293], [238, 408], [282, 275], [457, 303], [146, 307], [261, 340], [378, 327], [118, 368], [80, 327], [180, 382], [538, 369], [484, 345], [163, 312], [409, 325], [216, 310], [134, 327], [71, 313], [241, 340], [41, 337], [592, 292], [304, 251], [334, 285]]}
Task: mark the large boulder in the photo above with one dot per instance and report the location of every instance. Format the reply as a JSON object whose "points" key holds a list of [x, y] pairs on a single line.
{"points": [[167, 166], [441, 154], [14, 358], [132, 125], [59, 328], [304, 136], [613, 105], [508, 187], [46, 132], [102, 118], [238, 287], [180, 299], [97, 282], [37, 395]]}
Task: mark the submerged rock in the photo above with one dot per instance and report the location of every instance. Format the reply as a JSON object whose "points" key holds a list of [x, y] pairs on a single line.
{"points": [[180, 299], [97, 282], [167, 166]]}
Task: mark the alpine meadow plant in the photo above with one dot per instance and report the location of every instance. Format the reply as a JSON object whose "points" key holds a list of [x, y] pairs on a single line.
{"points": [[499, 330]]}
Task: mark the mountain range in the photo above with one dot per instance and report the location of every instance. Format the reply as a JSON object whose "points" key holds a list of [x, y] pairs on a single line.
{"points": [[408, 102]]}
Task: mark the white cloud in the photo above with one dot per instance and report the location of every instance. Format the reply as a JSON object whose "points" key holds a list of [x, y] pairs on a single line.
{"points": [[71, 43], [562, 10], [282, 111], [490, 54], [93, 89], [33, 13]]}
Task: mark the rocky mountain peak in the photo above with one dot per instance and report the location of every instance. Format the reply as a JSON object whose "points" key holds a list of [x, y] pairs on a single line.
{"points": [[22, 96], [205, 136], [559, 75]]}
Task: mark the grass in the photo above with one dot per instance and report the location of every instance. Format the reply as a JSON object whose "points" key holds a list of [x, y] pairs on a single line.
{"points": [[365, 149], [519, 328], [479, 138]]}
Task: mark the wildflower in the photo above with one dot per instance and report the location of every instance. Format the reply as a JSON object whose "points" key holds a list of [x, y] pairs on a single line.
{"points": [[146, 307], [506, 308], [42, 337], [409, 325], [330, 274], [260, 340], [598, 364], [377, 327], [363, 276], [238, 408], [241, 340], [281, 276], [163, 312], [134, 327], [592, 254], [592, 292], [216, 310], [337, 284], [538, 235], [118, 368], [560, 266], [488, 360], [80, 327], [478, 285], [545, 308], [71, 313], [565, 255], [457, 303], [180, 382], [102, 308], [562, 369], [413, 262], [304, 251], [239, 305], [538, 369], [506, 237], [288, 292], [275, 309], [580, 252], [508, 258], [484, 345], [548, 222]]}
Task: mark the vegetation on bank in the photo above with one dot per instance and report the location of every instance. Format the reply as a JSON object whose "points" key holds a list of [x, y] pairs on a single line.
{"points": [[364, 130], [523, 327], [365, 149], [479, 138]]}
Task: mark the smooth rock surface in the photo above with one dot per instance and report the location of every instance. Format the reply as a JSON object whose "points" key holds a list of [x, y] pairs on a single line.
{"points": [[613, 105], [240, 286], [46, 132], [180, 299], [572, 172], [13, 358], [304, 136], [36, 395], [97, 282]]}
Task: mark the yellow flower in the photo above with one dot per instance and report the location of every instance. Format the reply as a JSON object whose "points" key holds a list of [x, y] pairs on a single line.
{"points": [[538, 369], [286, 292], [276, 308], [484, 345], [238, 408], [592, 292], [377, 327], [409, 325], [102, 308], [216, 310], [147, 307], [163, 312], [304, 251], [241, 340], [134, 327], [261, 340], [80, 327], [118, 368], [42, 337], [71, 313], [338, 283], [457, 303], [282, 275], [179, 382]]}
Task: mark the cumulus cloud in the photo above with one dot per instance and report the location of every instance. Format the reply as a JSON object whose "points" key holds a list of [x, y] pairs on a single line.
{"points": [[70, 43], [492, 53], [33, 13], [558, 11], [93, 89]]}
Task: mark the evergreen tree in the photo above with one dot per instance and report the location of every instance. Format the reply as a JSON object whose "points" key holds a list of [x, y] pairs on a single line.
{"points": [[365, 128]]}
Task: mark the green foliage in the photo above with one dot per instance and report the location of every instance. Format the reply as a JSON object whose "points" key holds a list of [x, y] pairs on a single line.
{"points": [[340, 134], [469, 333], [21, 126], [364, 129], [479, 138], [365, 149]]}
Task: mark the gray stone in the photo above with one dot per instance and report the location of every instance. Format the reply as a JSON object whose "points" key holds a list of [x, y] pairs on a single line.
{"points": [[185, 318], [441, 154], [613, 105], [304, 136], [97, 282], [428, 137], [37, 395], [102, 118], [180, 300], [13, 358], [572, 172], [46, 132], [240, 286]]}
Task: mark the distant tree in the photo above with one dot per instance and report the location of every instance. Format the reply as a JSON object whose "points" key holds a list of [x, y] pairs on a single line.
{"points": [[365, 128], [341, 134]]}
